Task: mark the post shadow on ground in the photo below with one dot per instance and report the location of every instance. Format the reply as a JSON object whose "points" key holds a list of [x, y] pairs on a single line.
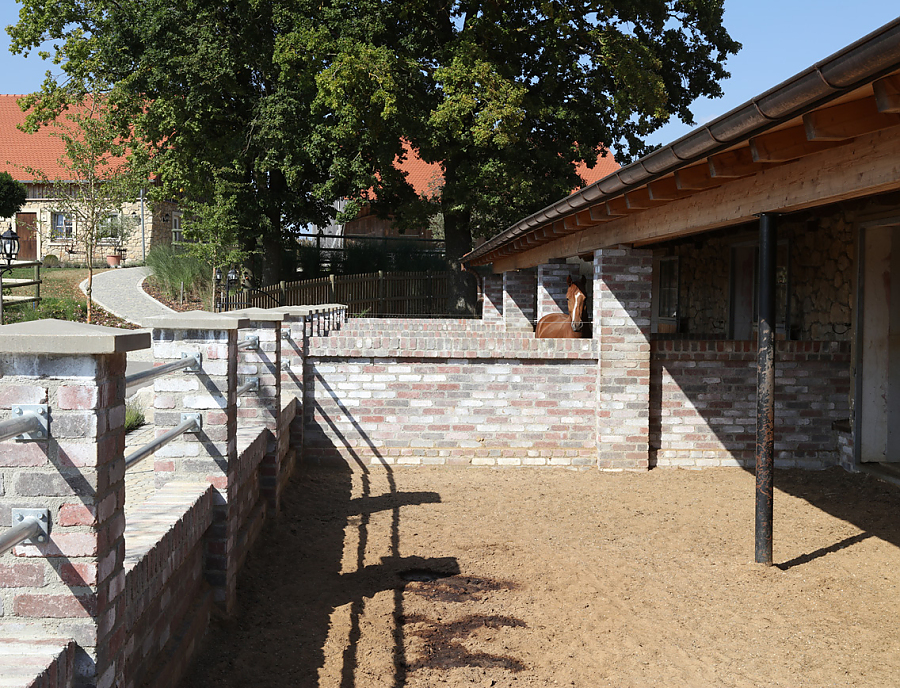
{"points": [[292, 583]]}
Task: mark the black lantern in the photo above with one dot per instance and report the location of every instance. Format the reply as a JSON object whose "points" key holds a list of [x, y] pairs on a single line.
{"points": [[9, 245], [232, 277], [218, 275]]}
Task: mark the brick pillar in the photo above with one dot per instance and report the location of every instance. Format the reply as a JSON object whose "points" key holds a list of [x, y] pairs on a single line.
{"points": [[210, 455], [518, 300], [70, 586], [552, 287], [492, 306], [263, 408], [622, 323], [293, 359]]}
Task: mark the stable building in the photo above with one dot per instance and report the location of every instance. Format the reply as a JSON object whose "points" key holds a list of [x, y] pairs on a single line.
{"points": [[780, 215]]}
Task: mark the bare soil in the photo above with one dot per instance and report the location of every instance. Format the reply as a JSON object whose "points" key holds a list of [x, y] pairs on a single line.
{"points": [[446, 577]]}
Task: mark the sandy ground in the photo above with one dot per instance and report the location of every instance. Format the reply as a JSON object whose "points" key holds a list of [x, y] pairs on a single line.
{"points": [[559, 578]]}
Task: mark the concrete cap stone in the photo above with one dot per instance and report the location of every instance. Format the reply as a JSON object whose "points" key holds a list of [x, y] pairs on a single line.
{"points": [[63, 337], [294, 310], [197, 320], [259, 314]]}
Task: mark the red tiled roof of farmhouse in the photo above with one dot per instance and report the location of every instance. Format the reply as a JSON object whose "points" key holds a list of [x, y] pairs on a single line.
{"points": [[427, 178], [18, 149]]}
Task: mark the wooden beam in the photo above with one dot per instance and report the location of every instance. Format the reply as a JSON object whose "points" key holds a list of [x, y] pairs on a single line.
{"points": [[600, 213], [695, 178], [887, 93], [786, 144], [666, 189], [618, 207], [847, 120], [863, 167], [733, 164], [640, 199]]}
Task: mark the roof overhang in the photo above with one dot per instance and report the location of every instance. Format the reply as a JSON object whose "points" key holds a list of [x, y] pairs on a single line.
{"points": [[830, 133]]}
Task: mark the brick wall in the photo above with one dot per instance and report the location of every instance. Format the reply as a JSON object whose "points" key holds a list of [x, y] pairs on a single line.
{"points": [[622, 289], [703, 402], [519, 294], [492, 305], [453, 397], [552, 287]]}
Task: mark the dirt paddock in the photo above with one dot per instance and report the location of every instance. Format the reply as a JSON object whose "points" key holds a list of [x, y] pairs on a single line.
{"points": [[446, 577]]}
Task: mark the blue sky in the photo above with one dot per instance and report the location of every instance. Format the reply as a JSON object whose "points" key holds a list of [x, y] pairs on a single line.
{"points": [[780, 38]]}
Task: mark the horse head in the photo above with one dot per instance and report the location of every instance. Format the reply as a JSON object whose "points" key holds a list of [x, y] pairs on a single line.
{"points": [[576, 298]]}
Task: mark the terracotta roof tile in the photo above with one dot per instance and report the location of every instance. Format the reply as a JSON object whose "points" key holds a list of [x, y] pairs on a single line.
{"points": [[427, 178], [18, 149]]}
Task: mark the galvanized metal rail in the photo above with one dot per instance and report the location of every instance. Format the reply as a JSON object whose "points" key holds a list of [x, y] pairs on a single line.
{"points": [[30, 524], [249, 344], [188, 362], [251, 385], [26, 422], [190, 422]]}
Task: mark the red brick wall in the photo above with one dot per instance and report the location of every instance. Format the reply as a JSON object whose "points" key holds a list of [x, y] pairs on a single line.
{"points": [[703, 402]]}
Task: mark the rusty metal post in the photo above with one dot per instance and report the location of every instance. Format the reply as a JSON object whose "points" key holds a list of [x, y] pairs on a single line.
{"points": [[765, 389]]}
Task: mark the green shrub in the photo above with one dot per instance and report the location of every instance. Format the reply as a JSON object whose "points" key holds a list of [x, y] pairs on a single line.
{"points": [[134, 416], [172, 267], [51, 261]]}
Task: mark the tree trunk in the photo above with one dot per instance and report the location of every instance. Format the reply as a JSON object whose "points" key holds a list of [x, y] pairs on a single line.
{"points": [[458, 242]]}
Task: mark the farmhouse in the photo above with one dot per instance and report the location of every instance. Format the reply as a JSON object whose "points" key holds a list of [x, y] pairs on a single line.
{"points": [[44, 230]]}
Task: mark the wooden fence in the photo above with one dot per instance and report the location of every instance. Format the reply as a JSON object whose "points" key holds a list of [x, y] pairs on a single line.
{"points": [[372, 294]]}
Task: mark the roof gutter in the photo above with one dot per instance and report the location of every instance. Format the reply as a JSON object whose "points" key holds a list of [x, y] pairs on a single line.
{"points": [[863, 61]]}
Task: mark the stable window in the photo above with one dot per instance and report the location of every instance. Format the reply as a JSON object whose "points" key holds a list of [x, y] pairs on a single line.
{"points": [[744, 306], [665, 295], [61, 226]]}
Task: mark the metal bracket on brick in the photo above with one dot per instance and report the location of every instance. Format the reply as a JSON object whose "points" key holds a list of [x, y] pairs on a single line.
{"points": [[42, 411], [195, 417], [42, 516], [285, 333], [195, 366]]}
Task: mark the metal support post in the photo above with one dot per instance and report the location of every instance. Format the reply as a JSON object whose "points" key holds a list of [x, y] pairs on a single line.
{"points": [[765, 389]]}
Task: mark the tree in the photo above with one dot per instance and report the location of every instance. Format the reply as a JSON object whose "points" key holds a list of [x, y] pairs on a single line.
{"points": [[97, 179], [508, 97], [12, 195], [294, 104]]}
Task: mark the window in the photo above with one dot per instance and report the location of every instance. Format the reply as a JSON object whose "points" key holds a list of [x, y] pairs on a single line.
{"points": [[61, 226], [109, 227], [177, 238], [664, 315]]}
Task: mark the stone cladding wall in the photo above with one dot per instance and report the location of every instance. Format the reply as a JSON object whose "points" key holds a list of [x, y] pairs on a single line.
{"points": [[703, 402]]}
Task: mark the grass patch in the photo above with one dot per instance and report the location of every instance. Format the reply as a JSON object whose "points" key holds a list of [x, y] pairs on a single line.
{"points": [[134, 416], [172, 268]]}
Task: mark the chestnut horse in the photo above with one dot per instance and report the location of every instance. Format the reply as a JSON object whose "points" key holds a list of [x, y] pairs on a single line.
{"points": [[560, 325]]}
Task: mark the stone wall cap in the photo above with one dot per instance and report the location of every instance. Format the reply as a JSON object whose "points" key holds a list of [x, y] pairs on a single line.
{"points": [[295, 310], [197, 320], [259, 314], [64, 337]]}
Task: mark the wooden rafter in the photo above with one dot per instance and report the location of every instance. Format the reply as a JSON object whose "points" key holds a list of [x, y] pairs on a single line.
{"points": [[733, 164], [887, 94], [666, 189], [847, 120], [640, 199], [695, 178], [786, 144]]}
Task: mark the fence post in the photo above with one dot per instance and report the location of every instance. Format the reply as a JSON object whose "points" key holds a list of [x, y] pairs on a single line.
{"points": [[380, 309], [72, 585], [211, 454], [37, 287], [283, 295]]}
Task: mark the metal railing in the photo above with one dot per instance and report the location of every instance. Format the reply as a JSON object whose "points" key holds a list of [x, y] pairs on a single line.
{"points": [[249, 344], [31, 524], [251, 385], [188, 362], [190, 422], [25, 422]]}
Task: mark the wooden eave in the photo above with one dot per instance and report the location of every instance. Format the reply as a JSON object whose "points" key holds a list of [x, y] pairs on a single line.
{"points": [[847, 148]]}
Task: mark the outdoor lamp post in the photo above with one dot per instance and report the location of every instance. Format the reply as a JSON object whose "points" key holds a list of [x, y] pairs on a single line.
{"points": [[232, 280], [9, 249], [217, 295]]}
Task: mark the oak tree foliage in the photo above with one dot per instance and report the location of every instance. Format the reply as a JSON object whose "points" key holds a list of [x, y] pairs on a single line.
{"points": [[289, 105]]}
